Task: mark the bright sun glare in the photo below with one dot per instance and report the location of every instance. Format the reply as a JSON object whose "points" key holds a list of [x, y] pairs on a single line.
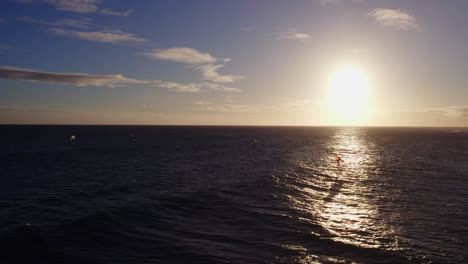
{"points": [[347, 94]]}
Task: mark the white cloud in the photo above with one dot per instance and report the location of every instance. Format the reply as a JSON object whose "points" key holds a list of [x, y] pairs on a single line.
{"points": [[395, 18], [99, 36], [210, 73], [217, 87], [230, 107], [83, 23], [188, 88], [82, 79], [292, 34], [176, 87], [194, 87], [182, 54], [108, 11], [79, 6], [193, 56]]}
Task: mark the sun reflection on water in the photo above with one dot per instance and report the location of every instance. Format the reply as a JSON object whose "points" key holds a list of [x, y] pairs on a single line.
{"points": [[339, 198]]}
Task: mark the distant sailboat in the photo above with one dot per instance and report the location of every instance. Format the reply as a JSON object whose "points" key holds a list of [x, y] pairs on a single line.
{"points": [[338, 159]]}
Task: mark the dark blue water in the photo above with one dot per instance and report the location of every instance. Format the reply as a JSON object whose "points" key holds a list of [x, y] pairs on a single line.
{"points": [[207, 195]]}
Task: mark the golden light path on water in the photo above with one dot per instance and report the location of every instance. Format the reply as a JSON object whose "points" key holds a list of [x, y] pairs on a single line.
{"points": [[341, 199], [349, 215]]}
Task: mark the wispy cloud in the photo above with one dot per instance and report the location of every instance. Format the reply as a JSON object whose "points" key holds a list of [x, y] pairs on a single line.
{"points": [[337, 2], [217, 87], [186, 88], [82, 79], [440, 116], [28, 109], [77, 79], [77, 23], [181, 54], [230, 107], [330, 2], [210, 73], [194, 87], [108, 11], [177, 87], [292, 34], [203, 63], [3, 48], [394, 18], [79, 6], [451, 111], [99, 36]]}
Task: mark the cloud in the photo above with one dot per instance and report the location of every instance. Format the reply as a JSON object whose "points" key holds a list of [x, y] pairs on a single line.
{"points": [[82, 79], [239, 108], [292, 34], [176, 87], [99, 36], [108, 11], [83, 23], [441, 116], [337, 2], [395, 18], [77, 79], [181, 54], [330, 2], [26, 109], [194, 87], [210, 73], [451, 111], [79, 6], [188, 88], [217, 87], [193, 56]]}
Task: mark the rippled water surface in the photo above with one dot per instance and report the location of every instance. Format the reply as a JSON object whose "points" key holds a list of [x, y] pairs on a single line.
{"points": [[208, 195]]}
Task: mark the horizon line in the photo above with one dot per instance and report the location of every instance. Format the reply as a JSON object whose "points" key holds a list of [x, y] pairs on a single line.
{"points": [[201, 125]]}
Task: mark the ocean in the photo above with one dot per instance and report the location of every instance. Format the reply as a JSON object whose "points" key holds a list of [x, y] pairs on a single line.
{"points": [[206, 194]]}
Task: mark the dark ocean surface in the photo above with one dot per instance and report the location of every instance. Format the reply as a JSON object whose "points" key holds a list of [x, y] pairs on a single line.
{"points": [[207, 195]]}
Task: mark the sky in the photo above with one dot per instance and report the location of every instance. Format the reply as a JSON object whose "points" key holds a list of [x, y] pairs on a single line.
{"points": [[243, 62]]}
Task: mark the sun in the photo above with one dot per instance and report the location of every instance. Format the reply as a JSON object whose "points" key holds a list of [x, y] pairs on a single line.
{"points": [[347, 94]]}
